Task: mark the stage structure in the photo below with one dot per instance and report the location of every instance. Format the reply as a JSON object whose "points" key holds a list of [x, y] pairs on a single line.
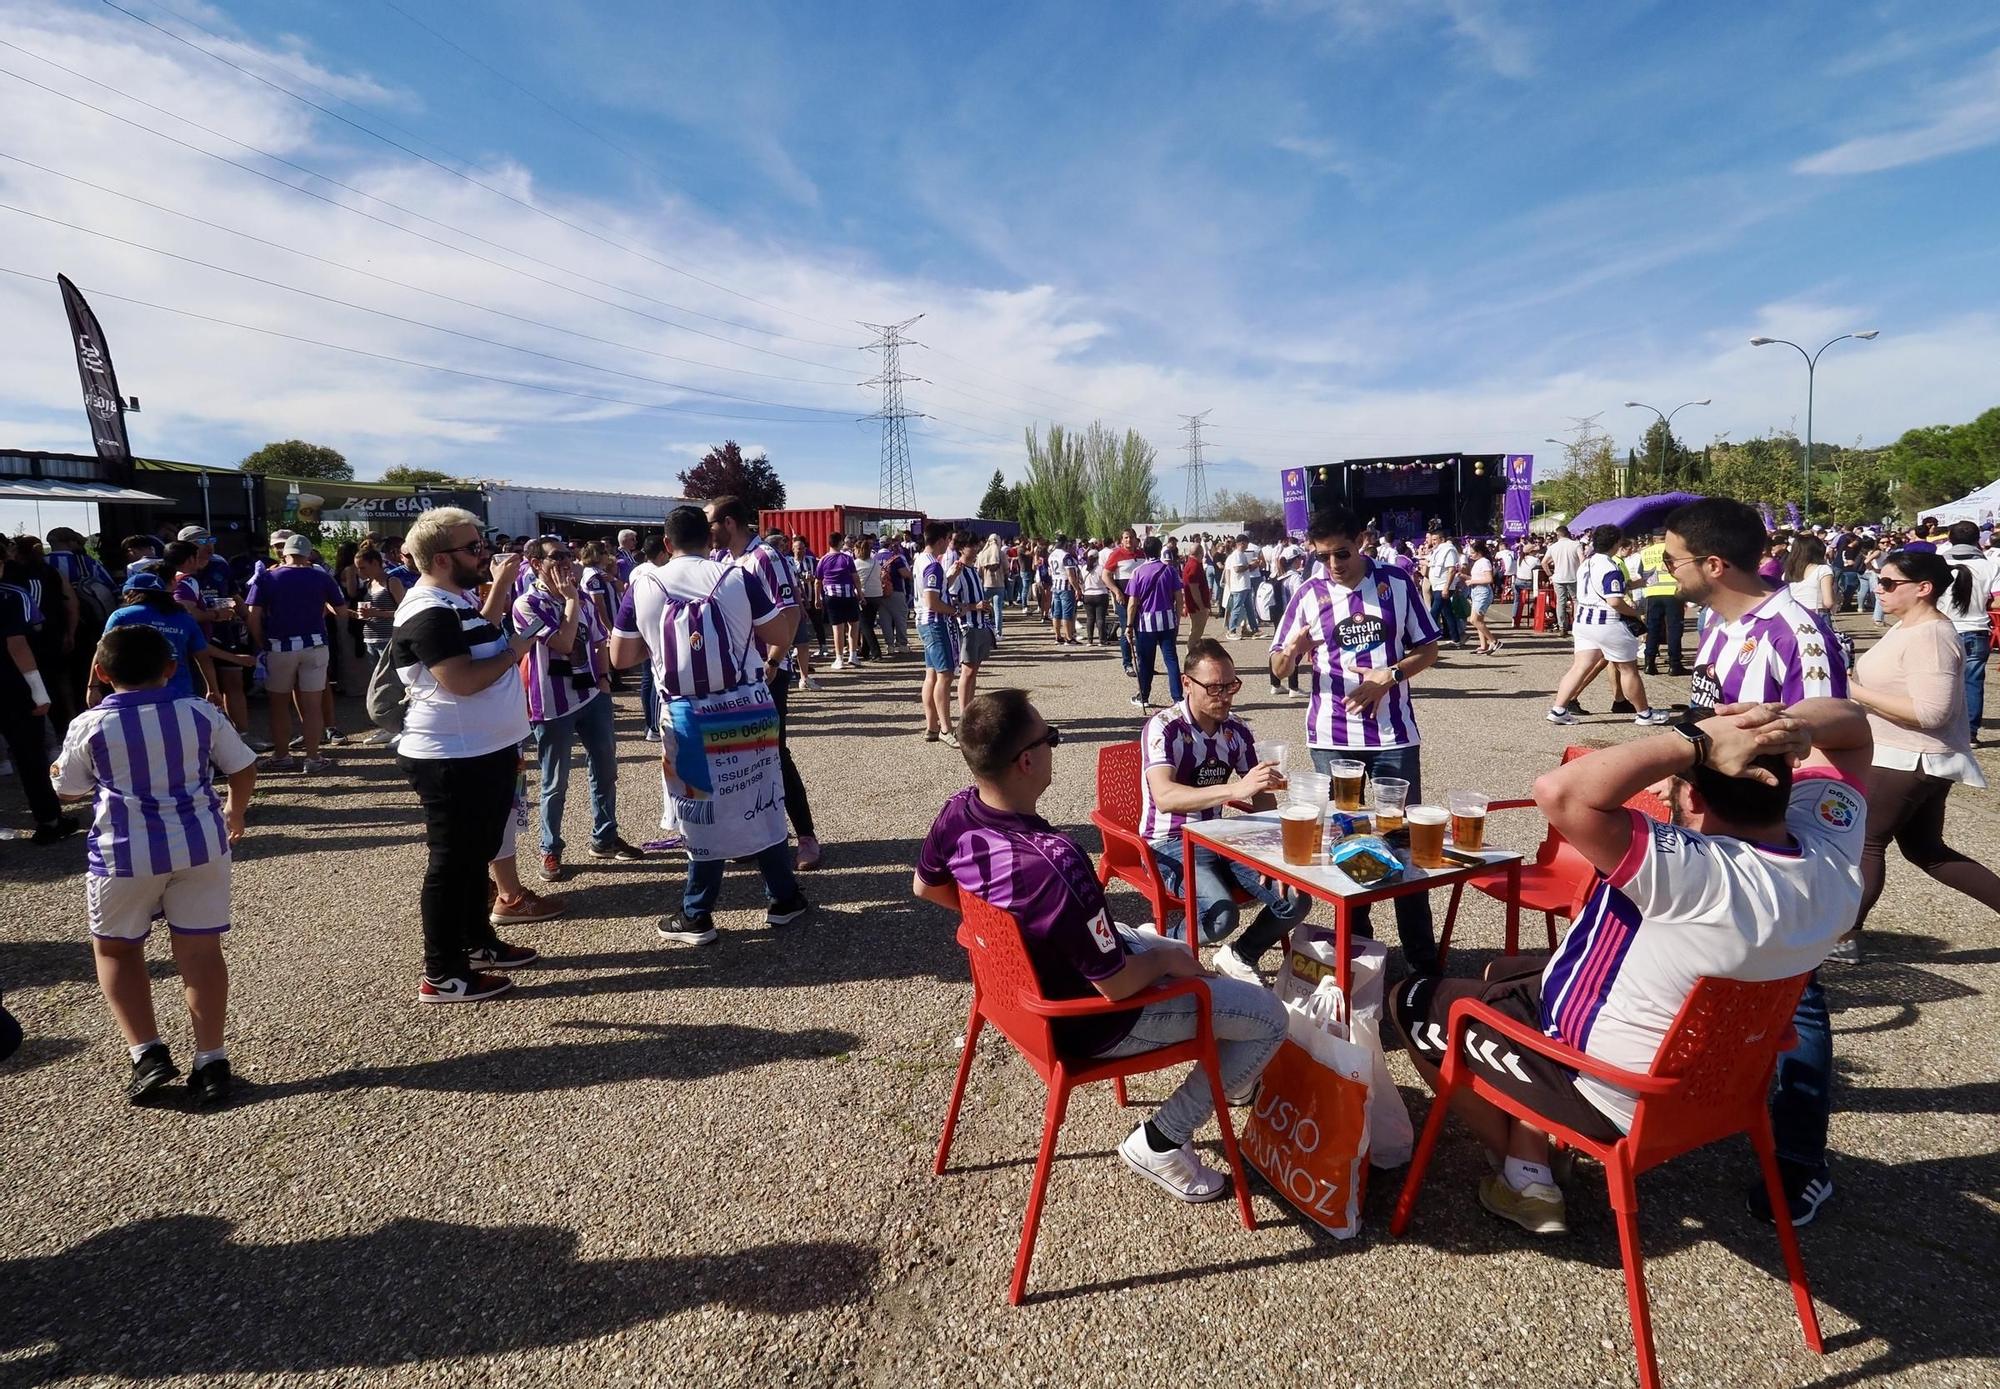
{"points": [[1470, 493]]}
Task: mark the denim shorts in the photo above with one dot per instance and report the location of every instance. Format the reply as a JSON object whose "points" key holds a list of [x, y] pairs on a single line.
{"points": [[1063, 605], [940, 646]]}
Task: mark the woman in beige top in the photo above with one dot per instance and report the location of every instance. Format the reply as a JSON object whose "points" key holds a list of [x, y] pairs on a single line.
{"points": [[1910, 684]]}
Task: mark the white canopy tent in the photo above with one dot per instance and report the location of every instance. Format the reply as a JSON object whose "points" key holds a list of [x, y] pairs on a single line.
{"points": [[1982, 505]]}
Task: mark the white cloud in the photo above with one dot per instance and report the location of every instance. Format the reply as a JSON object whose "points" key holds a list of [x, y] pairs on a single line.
{"points": [[1485, 29], [1957, 116], [1322, 153]]}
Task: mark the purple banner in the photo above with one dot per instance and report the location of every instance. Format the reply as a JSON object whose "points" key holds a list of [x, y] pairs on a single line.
{"points": [[1770, 521], [1792, 515], [1518, 507], [1297, 513]]}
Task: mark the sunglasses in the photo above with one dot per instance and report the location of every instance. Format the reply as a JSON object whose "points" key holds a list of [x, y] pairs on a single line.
{"points": [[477, 547], [1889, 585], [1052, 738], [563, 556]]}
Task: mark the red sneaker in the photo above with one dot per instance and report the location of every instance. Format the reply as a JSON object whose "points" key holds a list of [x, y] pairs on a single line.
{"points": [[463, 988]]}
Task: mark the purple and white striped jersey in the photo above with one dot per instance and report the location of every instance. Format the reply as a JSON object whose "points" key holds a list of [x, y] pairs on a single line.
{"points": [[1601, 579], [1174, 740], [930, 579], [148, 757], [558, 686], [837, 575], [1356, 630], [1156, 589], [969, 593], [780, 578], [1779, 652]]}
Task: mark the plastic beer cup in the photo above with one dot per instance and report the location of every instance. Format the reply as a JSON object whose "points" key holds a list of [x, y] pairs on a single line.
{"points": [[1468, 820], [1427, 823], [1392, 794], [1347, 778]]}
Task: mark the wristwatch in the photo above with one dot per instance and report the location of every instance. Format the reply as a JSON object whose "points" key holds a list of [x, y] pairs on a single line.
{"points": [[1395, 675], [1697, 738]]}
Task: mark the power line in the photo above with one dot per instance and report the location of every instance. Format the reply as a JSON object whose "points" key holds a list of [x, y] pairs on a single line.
{"points": [[407, 212], [584, 228], [411, 362], [899, 488], [1197, 482], [414, 322]]}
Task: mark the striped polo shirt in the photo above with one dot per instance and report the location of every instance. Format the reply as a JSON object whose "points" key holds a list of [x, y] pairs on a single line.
{"points": [[1356, 630], [780, 578], [557, 685], [1779, 652], [969, 592], [1174, 740], [1156, 589], [1601, 579], [837, 575], [930, 579], [149, 757]]}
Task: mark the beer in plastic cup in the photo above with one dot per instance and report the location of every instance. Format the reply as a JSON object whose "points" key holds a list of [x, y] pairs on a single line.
{"points": [[1301, 824], [1347, 778], [1427, 824], [1278, 754], [1468, 820], [1392, 794]]}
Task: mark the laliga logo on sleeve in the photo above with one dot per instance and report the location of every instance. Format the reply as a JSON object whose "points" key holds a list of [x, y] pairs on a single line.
{"points": [[1837, 808]]}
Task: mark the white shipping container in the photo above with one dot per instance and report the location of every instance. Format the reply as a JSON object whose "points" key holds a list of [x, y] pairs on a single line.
{"points": [[519, 510]]}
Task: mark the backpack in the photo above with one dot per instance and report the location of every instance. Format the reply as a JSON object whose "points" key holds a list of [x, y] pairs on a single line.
{"points": [[386, 693], [694, 653]]}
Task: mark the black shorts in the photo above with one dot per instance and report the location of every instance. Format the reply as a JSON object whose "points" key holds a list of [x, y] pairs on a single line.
{"points": [[842, 609], [1422, 1008]]}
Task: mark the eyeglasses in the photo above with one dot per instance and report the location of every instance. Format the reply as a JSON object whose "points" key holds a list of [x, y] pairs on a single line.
{"points": [[1052, 738], [1222, 688], [477, 547], [1674, 565], [564, 555]]}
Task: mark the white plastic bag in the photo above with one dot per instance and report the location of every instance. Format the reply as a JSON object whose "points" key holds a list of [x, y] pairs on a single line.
{"points": [[1310, 967]]}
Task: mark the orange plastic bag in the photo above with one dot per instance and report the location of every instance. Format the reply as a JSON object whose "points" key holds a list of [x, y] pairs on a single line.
{"points": [[1308, 1134]]}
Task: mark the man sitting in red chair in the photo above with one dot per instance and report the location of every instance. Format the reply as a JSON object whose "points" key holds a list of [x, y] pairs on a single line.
{"points": [[989, 840], [1757, 878], [1192, 750]]}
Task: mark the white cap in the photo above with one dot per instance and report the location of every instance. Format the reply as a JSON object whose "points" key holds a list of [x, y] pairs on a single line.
{"points": [[298, 545]]}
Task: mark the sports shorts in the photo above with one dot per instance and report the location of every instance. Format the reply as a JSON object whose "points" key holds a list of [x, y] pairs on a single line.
{"points": [[192, 901], [1613, 640], [1422, 1009], [304, 671]]}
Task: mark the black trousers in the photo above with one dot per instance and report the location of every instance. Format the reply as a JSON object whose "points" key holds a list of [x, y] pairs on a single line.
{"points": [[871, 609], [1097, 618], [796, 806], [1665, 621], [467, 802], [26, 737]]}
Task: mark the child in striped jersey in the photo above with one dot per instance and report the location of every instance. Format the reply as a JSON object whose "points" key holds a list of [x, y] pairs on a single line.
{"points": [[159, 848]]}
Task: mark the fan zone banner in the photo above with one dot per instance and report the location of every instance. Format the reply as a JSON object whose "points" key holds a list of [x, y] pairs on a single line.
{"points": [[1298, 513], [1518, 506], [101, 401]]}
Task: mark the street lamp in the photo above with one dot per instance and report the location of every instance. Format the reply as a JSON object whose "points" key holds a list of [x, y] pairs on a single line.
{"points": [[1666, 427], [1812, 365]]}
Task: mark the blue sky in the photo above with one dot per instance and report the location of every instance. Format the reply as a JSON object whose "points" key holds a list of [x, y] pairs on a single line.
{"points": [[1345, 228]]}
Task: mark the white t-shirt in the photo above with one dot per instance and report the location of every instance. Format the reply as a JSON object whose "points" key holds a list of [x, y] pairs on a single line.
{"points": [[1806, 591], [742, 607], [1061, 580], [1236, 572], [1985, 569], [434, 624], [1601, 579], [1270, 553], [1444, 562], [1683, 905], [1565, 558]]}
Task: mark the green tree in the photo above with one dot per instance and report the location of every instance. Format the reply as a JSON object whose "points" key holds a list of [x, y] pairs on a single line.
{"points": [[297, 458], [1119, 474], [1055, 493], [1942, 462], [1224, 504], [725, 472], [1001, 502], [1590, 472], [402, 475]]}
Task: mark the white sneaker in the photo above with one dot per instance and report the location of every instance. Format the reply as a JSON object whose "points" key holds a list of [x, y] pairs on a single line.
{"points": [[1180, 1173], [1653, 718], [1138, 703], [1561, 716], [1231, 965], [837, 666], [813, 684]]}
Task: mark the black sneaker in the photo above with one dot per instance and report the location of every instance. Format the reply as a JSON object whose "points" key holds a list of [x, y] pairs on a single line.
{"points": [[688, 930], [209, 1084], [502, 956], [1623, 706], [1806, 1190], [154, 1068], [786, 912], [1575, 706], [617, 849], [56, 830]]}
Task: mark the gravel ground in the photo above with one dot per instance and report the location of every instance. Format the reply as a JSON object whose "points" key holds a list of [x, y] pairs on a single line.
{"points": [[664, 1166]]}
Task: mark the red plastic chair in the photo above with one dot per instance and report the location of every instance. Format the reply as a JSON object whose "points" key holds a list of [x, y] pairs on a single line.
{"points": [[1993, 625], [1006, 993], [1550, 883], [1710, 1081], [1127, 856]]}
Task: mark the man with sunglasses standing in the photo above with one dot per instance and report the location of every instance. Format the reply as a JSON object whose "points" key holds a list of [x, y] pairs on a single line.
{"points": [[568, 683], [1366, 630], [1765, 647], [990, 841]]}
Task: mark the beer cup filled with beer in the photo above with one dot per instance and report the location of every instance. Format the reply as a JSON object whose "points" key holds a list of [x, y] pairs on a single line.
{"points": [[1468, 820], [1347, 778], [1392, 794], [1427, 824], [1278, 755]]}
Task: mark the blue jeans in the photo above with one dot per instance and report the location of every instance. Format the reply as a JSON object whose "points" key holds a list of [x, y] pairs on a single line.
{"points": [[704, 880], [1115, 619], [1978, 646], [1448, 624], [649, 698], [1413, 913], [1848, 585], [999, 621], [1165, 645], [1249, 1024], [1215, 883], [1241, 613], [591, 724], [1802, 1100]]}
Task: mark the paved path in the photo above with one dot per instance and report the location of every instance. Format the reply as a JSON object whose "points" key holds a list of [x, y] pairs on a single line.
{"points": [[657, 1166]]}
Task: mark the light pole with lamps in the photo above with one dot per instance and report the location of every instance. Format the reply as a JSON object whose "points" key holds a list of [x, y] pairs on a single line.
{"points": [[1666, 428], [1812, 365]]}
